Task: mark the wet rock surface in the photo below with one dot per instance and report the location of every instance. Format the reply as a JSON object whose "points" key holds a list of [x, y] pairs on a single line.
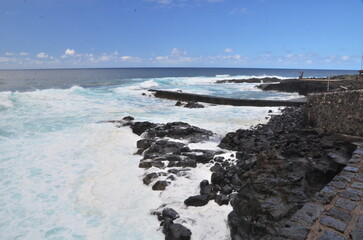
{"points": [[280, 166], [193, 105], [273, 171], [166, 146]]}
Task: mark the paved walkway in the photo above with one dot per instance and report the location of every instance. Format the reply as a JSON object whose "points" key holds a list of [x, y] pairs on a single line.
{"points": [[336, 212]]}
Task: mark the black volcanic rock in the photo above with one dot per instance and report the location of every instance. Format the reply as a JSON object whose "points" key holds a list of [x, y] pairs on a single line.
{"points": [[193, 105], [170, 213], [280, 166], [176, 231], [197, 201], [140, 127], [160, 185]]}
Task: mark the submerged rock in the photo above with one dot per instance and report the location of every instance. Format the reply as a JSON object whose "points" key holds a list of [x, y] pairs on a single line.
{"points": [[193, 105]]}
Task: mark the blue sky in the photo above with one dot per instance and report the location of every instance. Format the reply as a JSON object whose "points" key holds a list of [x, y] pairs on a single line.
{"points": [[322, 34]]}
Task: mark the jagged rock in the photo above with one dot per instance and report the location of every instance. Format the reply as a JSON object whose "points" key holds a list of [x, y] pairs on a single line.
{"points": [[221, 200], [217, 178], [217, 168], [157, 164], [145, 164], [128, 118], [160, 185], [193, 105], [140, 127], [179, 130], [144, 143], [162, 147], [197, 201], [178, 103], [226, 189], [280, 165], [208, 190], [176, 231], [170, 213], [149, 178], [201, 156]]}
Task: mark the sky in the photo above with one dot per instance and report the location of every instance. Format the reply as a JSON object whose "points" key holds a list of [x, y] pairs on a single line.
{"points": [[313, 34]]}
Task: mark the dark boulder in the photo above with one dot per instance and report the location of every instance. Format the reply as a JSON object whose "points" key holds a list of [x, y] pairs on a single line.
{"points": [[201, 156], [160, 185], [221, 200], [197, 201], [176, 231], [226, 189], [179, 130], [128, 118], [162, 147], [149, 178], [217, 178], [140, 127], [193, 105], [170, 213], [144, 143], [145, 163]]}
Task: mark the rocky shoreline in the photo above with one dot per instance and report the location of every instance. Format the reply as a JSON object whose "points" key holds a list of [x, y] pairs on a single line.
{"points": [[266, 173], [275, 168], [303, 86]]}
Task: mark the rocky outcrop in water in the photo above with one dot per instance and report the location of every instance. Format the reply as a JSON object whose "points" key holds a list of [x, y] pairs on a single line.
{"points": [[166, 146]]}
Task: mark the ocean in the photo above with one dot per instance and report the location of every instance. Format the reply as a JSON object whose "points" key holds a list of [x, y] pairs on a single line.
{"points": [[65, 173]]}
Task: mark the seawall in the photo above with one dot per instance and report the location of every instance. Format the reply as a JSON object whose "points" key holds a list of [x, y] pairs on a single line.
{"points": [[182, 96], [336, 112]]}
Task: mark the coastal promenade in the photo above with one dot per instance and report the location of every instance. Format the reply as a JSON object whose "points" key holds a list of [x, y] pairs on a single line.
{"points": [[336, 212]]}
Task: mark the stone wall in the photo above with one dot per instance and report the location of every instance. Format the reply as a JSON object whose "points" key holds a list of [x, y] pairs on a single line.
{"points": [[337, 112]]}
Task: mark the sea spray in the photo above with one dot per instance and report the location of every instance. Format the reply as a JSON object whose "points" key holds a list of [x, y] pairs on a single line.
{"points": [[65, 173]]}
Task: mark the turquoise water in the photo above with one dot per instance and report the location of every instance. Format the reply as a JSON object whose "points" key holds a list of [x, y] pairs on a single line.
{"points": [[67, 174]]}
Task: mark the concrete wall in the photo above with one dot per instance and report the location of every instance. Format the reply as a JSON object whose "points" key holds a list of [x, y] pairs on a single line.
{"points": [[337, 112]]}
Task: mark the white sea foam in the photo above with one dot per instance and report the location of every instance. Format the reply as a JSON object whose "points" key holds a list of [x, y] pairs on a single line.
{"points": [[5, 100], [65, 177]]}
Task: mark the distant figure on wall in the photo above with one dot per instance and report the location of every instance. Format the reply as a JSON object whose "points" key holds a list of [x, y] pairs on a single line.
{"points": [[301, 74]]}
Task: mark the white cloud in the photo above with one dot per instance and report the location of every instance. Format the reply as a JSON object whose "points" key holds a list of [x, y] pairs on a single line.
{"points": [[42, 55], [164, 2], [309, 61], [228, 50], [175, 56], [104, 58], [130, 59], [16, 54], [175, 52], [345, 58], [70, 52]]}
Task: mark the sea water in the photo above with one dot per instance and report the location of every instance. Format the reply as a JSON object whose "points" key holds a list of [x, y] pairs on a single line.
{"points": [[65, 173]]}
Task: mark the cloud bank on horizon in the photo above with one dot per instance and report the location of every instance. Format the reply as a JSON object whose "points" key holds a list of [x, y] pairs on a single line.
{"points": [[181, 33]]}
